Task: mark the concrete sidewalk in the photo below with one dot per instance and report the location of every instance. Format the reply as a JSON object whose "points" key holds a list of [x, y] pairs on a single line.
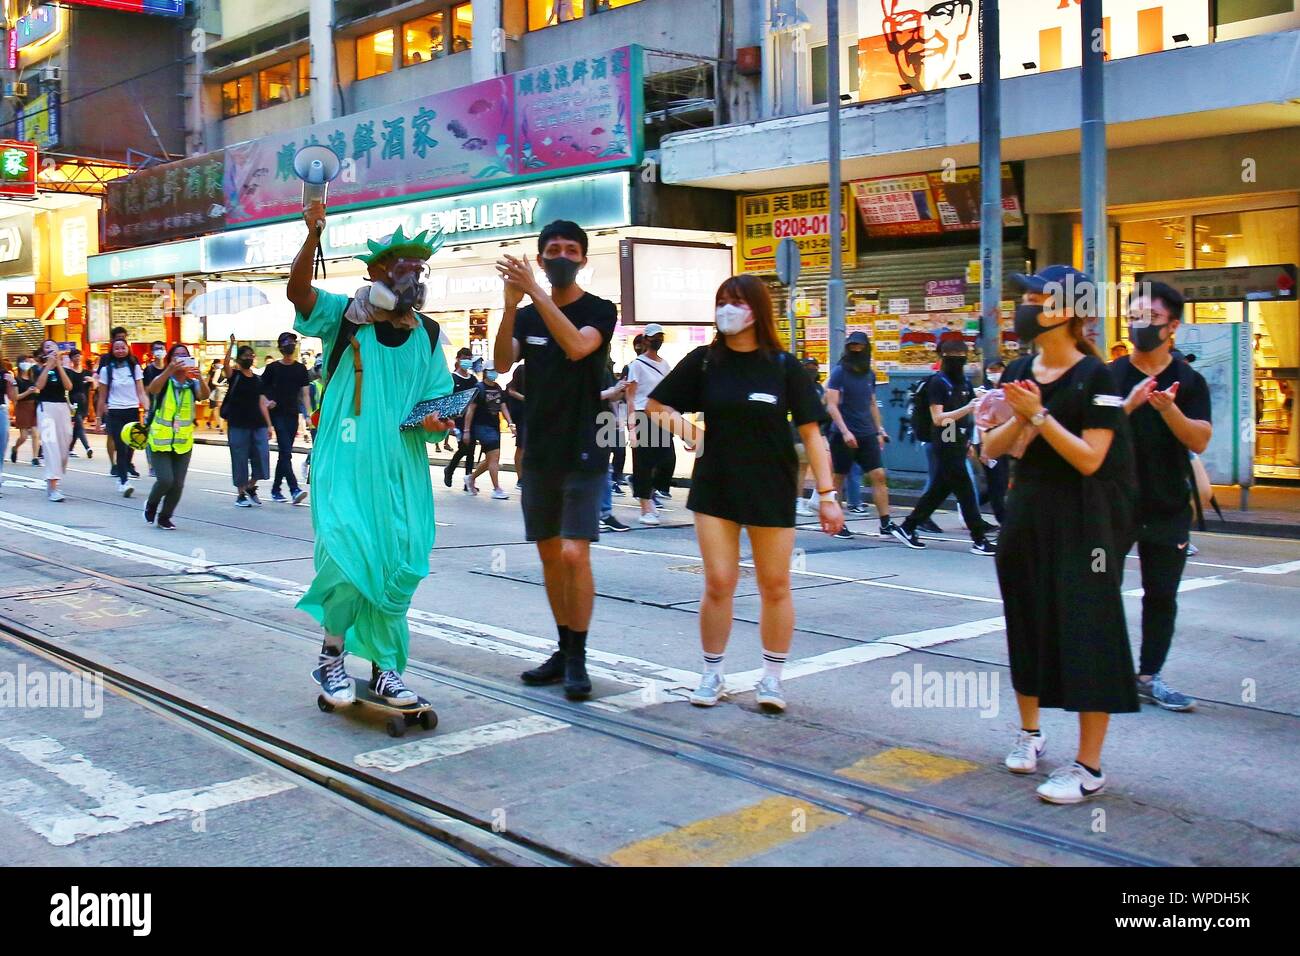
{"points": [[1274, 510]]}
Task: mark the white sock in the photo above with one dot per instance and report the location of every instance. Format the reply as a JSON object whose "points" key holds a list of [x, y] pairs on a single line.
{"points": [[773, 663], [713, 663]]}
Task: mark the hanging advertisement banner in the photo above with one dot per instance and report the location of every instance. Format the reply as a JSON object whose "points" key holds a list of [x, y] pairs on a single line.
{"points": [[930, 204], [573, 116], [764, 219]]}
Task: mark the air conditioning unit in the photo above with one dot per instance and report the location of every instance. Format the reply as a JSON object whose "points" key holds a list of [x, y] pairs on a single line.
{"points": [[15, 90], [51, 74]]}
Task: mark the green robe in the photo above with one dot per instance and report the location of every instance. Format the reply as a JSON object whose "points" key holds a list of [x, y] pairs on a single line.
{"points": [[372, 497]]}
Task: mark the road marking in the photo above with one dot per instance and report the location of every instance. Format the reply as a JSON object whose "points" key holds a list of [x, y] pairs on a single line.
{"points": [[121, 806], [729, 838], [901, 768], [1286, 568], [814, 574], [417, 752]]}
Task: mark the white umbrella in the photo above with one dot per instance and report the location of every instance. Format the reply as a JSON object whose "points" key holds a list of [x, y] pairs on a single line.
{"points": [[264, 323], [227, 299]]}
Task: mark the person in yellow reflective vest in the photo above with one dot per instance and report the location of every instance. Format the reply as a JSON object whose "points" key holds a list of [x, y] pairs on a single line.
{"points": [[178, 389]]}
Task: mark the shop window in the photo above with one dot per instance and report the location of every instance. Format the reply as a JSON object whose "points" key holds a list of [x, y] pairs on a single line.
{"points": [[818, 65], [424, 39], [375, 54], [275, 85], [462, 27], [547, 13], [237, 97], [304, 75]]}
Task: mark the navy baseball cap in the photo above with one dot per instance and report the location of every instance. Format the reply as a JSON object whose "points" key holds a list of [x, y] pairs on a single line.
{"points": [[857, 338], [1060, 275]]}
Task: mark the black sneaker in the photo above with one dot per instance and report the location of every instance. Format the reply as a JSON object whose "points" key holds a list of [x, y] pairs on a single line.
{"points": [[909, 538], [446, 475], [278, 497], [549, 672], [90, 453], [929, 527], [166, 524], [149, 512], [577, 685], [132, 472], [984, 546], [252, 496], [844, 533], [389, 686], [610, 523], [13, 455]]}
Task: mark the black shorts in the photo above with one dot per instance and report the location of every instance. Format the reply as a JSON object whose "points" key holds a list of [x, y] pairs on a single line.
{"points": [[560, 504], [488, 439], [867, 454]]}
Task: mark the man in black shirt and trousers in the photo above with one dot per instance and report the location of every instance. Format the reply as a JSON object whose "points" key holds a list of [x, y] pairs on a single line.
{"points": [[563, 339], [950, 399], [1168, 406], [285, 384]]}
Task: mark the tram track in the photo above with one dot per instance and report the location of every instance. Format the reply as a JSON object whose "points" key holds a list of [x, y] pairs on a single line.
{"points": [[986, 839]]}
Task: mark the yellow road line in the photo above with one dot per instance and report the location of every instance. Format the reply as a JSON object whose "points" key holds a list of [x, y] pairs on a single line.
{"points": [[902, 769], [729, 838]]}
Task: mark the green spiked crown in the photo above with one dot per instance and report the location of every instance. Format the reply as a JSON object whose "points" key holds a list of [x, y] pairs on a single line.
{"points": [[421, 246]]}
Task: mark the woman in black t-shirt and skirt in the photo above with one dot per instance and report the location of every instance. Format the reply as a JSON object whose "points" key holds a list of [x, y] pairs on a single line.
{"points": [[746, 473], [1060, 557]]}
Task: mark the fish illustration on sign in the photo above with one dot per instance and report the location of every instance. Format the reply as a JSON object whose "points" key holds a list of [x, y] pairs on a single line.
{"points": [[477, 142], [598, 131], [457, 129], [479, 106]]}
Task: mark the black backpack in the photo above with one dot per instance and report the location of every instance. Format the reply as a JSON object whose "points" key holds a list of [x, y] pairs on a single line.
{"points": [[918, 411]]}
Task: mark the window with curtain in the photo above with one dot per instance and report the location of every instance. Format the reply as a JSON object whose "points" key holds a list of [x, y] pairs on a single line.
{"points": [[237, 96], [304, 75], [375, 54], [275, 85], [424, 38], [462, 27]]}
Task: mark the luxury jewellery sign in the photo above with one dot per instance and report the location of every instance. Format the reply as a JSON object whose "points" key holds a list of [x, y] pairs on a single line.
{"points": [[599, 201]]}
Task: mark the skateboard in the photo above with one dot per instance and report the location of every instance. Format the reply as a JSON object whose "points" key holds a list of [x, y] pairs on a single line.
{"points": [[399, 717]]}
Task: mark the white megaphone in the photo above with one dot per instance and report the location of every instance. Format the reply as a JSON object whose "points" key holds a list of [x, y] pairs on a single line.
{"points": [[316, 166]]}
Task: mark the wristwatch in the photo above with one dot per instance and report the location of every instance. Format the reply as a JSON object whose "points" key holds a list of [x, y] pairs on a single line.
{"points": [[831, 496], [1039, 417]]}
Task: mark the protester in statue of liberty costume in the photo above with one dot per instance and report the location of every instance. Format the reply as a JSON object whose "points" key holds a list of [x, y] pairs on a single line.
{"points": [[373, 500]]}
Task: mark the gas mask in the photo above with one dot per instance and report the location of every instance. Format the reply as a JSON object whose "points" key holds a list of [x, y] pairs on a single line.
{"points": [[404, 289]]}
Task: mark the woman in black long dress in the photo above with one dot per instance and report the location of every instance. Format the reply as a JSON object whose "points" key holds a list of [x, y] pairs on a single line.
{"points": [[746, 473], [1060, 559]]}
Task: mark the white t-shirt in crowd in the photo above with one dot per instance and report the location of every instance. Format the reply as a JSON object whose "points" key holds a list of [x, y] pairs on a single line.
{"points": [[120, 380], [647, 373]]}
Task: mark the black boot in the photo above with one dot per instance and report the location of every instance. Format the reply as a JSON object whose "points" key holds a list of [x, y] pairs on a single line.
{"points": [[549, 672], [577, 685]]}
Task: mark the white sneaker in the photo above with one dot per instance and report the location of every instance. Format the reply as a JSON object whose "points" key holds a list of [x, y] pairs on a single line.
{"points": [[713, 687], [125, 488], [499, 494], [468, 488], [1072, 784], [649, 519], [769, 695], [1024, 755], [56, 495], [804, 507]]}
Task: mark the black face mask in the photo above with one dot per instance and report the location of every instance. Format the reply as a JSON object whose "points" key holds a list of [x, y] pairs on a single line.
{"points": [[561, 271], [1026, 323], [286, 350], [954, 366], [857, 361], [1146, 338], [245, 363]]}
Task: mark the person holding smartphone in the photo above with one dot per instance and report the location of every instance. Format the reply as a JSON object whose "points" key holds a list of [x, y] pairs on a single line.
{"points": [[748, 389]]}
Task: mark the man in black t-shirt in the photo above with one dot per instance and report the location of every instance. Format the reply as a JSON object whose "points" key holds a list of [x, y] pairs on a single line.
{"points": [[285, 384], [563, 339], [951, 402], [1168, 406]]}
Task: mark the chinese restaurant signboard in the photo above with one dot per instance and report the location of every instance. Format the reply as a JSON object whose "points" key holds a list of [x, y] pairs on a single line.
{"points": [[575, 116], [166, 202], [18, 168]]}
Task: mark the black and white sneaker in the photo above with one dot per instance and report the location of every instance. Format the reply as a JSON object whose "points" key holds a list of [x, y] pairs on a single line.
{"points": [[332, 674], [984, 546], [610, 523], [929, 527], [389, 686], [844, 533], [909, 538]]}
